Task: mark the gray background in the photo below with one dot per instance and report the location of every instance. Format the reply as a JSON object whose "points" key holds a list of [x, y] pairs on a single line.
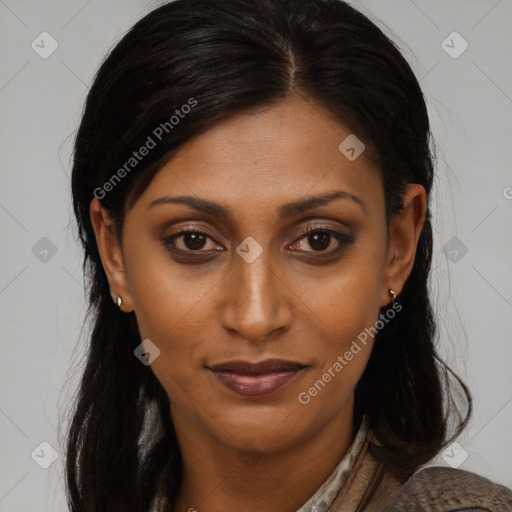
{"points": [[41, 295]]}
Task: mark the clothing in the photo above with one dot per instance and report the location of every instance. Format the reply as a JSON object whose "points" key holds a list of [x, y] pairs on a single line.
{"points": [[324, 497], [361, 486], [359, 483], [440, 489]]}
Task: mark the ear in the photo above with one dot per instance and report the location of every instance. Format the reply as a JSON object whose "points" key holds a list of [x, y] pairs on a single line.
{"points": [[110, 253], [405, 230]]}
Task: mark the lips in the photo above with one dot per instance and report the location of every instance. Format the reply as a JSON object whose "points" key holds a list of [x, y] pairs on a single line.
{"points": [[267, 366], [256, 379]]}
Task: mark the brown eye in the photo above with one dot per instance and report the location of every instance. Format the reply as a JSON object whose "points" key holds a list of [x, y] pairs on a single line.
{"points": [[322, 240], [319, 241], [189, 240], [194, 245], [194, 241]]}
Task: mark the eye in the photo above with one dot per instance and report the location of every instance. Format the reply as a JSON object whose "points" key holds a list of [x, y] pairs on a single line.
{"points": [[189, 240], [322, 240]]}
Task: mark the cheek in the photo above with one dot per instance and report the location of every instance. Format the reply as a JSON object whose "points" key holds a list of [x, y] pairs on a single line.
{"points": [[173, 317], [345, 307], [169, 306], [345, 311], [345, 299], [162, 291]]}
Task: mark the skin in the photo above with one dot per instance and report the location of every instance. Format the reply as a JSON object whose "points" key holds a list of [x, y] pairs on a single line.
{"points": [[239, 452]]}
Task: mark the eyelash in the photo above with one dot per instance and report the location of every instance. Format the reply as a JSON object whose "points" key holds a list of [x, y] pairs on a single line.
{"points": [[343, 239]]}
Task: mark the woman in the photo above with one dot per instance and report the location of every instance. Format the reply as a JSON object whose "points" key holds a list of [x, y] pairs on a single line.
{"points": [[251, 182]]}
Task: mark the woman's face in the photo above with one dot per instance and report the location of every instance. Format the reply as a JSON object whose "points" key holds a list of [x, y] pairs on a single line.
{"points": [[252, 285]]}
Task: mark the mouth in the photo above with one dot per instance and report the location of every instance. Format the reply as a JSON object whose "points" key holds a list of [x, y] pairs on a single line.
{"points": [[256, 379]]}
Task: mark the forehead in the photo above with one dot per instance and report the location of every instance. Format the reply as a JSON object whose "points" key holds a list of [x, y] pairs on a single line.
{"points": [[269, 155]]}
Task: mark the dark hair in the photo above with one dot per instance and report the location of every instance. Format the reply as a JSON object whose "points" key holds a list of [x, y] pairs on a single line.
{"points": [[230, 56]]}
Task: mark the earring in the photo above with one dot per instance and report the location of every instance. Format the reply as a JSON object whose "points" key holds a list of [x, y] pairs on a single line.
{"points": [[392, 294], [117, 300]]}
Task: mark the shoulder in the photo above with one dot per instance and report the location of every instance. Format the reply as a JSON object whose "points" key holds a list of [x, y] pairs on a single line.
{"points": [[442, 489]]}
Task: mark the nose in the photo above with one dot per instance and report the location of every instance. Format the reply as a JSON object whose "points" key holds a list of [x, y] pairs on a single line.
{"points": [[257, 302]]}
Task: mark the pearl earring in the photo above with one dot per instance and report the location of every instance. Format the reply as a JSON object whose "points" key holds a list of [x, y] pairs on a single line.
{"points": [[117, 300]]}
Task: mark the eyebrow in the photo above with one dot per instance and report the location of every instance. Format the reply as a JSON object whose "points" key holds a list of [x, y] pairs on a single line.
{"points": [[286, 210]]}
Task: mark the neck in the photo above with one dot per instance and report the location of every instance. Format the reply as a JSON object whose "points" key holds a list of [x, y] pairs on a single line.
{"points": [[217, 477]]}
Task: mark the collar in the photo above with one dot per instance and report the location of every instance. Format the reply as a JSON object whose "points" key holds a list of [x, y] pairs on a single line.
{"points": [[324, 497]]}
